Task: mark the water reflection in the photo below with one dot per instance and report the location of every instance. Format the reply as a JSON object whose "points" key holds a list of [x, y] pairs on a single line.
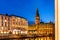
{"points": [[37, 38]]}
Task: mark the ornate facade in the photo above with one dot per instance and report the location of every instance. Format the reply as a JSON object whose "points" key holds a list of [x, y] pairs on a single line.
{"points": [[40, 28], [12, 24]]}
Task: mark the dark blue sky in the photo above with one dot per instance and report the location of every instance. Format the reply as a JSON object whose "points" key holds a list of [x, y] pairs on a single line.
{"points": [[27, 9]]}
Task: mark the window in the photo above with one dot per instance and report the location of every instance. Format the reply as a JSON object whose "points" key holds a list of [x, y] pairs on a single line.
{"points": [[6, 24], [13, 22]]}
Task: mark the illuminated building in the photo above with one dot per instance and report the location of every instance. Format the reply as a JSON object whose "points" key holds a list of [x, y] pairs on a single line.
{"points": [[41, 28], [4, 23], [12, 24], [17, 22]]}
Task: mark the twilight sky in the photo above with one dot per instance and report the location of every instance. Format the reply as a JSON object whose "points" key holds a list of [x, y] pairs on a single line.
{"points": [[27, 9]]}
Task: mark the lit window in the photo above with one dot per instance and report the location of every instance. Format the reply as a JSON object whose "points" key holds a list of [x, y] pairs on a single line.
{"points": [[5, 20]]}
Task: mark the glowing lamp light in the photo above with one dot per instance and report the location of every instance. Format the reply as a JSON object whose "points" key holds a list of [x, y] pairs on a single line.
{"points": [[5, 32], [25, 32], [16, 32], [1, 32], [13, 32], [5, 20], [21, 32]]}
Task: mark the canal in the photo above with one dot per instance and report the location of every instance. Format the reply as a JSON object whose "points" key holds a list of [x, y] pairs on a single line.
{"points": [[33, 38]]}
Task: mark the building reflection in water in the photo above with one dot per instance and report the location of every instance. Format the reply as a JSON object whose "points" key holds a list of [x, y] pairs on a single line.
{"points": [[37, 38]]}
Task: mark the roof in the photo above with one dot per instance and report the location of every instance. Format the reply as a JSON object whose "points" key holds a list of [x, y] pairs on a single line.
{"points": [[37, 13], [13, 15], [18, 16]]}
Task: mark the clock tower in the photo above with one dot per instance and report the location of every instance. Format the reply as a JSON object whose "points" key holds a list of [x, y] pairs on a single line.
{"points": [[37, 17]]}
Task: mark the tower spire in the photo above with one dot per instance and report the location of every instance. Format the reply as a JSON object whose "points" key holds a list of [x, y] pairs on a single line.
{"points": [[37, 14], [37, 18]]}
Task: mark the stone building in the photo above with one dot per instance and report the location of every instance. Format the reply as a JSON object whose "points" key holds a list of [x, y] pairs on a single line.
{"points": [[40, 28], [13, 23]]}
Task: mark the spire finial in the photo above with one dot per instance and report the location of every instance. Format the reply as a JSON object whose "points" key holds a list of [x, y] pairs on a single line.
{"points": [[37, 13]]}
